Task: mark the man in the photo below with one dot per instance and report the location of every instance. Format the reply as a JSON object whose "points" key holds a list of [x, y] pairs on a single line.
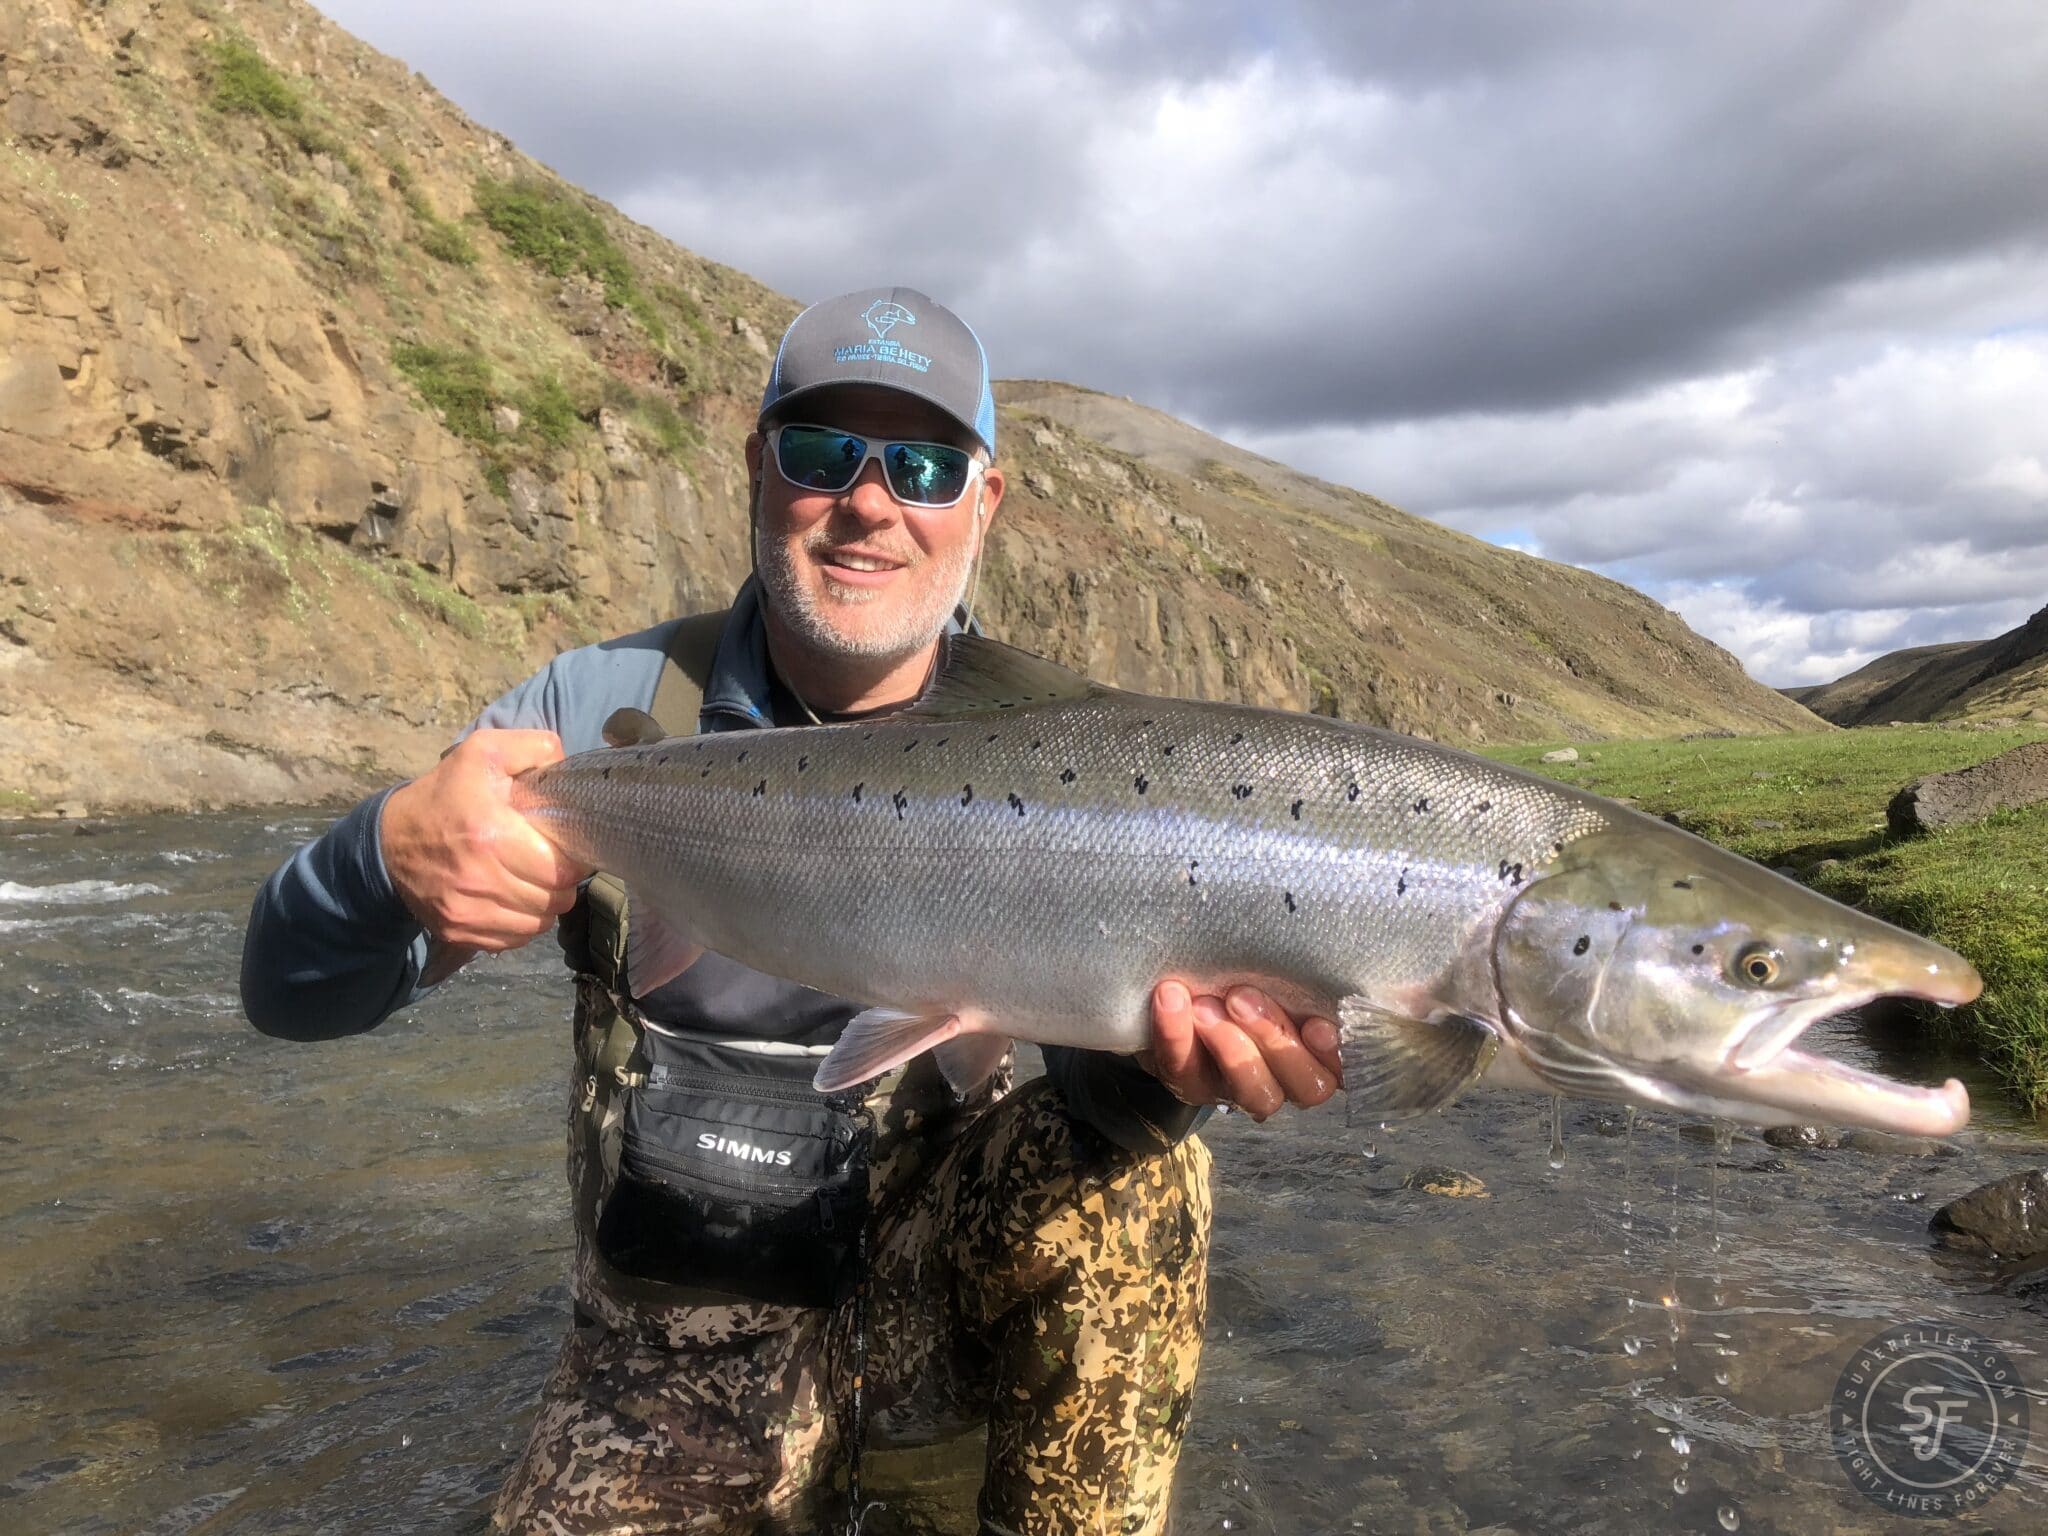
{"points": [[1033, 1262]]}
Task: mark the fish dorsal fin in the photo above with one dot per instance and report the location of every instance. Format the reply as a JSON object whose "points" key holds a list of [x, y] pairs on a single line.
{"points": [[978, 676], [632, 728]]}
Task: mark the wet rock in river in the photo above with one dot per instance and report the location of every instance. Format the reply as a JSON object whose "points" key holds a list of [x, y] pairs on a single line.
{"points": [[1818, 1137], [2007, 1217], [1451, 1182]]}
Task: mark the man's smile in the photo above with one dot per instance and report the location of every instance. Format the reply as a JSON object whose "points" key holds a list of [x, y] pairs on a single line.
{"points": [[859, 567]]}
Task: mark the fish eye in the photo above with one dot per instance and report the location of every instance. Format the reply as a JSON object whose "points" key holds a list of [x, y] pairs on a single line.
{"points": [[1758, 964]]}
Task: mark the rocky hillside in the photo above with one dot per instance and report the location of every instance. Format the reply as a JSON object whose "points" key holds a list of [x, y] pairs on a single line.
{"points": [[325, 412], [2003, 678]]}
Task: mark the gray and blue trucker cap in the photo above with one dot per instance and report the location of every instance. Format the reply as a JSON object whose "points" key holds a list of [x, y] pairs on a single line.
{"points": [[895, 337]]}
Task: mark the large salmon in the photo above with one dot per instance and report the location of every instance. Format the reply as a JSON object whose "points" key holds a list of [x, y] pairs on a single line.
{"points": [[1025, 853]]}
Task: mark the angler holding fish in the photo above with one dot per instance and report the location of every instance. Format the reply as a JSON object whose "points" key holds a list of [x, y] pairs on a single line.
{"points": [[849, 851], [765, 1275]]}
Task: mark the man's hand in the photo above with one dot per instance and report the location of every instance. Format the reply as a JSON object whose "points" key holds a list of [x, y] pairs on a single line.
{"points": [[469, 867], [1241, 1049]]}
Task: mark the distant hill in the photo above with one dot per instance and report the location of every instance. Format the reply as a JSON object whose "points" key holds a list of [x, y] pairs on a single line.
{"points": [[2005, 677], [325, 413]]}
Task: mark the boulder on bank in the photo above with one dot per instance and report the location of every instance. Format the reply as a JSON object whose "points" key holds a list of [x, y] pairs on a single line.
{"points": [[2007, 1218], [2015, 778]]}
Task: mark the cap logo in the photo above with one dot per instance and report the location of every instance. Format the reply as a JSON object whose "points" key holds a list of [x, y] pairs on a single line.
{"points": [[882, 314]]}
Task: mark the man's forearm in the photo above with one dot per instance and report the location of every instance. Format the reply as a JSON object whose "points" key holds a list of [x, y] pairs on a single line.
{"points": [[331, 949]]}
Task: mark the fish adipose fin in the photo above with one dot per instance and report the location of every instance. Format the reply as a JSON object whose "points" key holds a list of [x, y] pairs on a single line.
{"points": [[657, 951], [977, 677], [632, 728], [1396, 1066], [881, 1038]]}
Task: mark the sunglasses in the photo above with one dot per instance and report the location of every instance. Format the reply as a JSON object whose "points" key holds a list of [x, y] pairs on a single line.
{"points": [[918, 474]]}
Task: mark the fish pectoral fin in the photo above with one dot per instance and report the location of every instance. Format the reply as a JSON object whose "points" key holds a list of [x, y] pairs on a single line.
{"points": [[632, 728], [967, 1059], [1395, 1066], [657, 950], [880, 1038]]}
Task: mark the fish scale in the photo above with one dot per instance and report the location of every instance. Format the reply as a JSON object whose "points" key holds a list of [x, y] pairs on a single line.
{"points": [[1025, 853]]}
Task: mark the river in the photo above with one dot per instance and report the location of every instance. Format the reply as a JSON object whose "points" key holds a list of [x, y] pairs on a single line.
{"points": [[248, 1286]]}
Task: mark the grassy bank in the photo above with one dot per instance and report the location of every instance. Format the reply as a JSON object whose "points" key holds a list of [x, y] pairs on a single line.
{"points": [[1816, 803]]}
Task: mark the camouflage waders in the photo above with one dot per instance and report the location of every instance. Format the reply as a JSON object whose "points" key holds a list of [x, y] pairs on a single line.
{"points": [[1025, 1274]]}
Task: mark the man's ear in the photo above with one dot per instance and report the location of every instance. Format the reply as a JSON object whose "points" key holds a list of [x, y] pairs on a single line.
{"points": [[992, 485]]}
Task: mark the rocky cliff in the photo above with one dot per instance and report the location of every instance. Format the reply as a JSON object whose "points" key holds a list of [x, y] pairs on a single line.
{"points": [[2003, 678], [325, 412]]}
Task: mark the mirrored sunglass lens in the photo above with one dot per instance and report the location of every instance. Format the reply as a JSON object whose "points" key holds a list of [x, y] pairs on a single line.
{"points": [[818, 460], [927, 473]]}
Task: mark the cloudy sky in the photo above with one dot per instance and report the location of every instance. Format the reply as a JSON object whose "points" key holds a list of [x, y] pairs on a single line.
{"points": [[1743, 303]]}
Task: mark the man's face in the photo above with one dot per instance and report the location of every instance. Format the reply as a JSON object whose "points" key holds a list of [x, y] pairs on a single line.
{"points": [[857, 572]]}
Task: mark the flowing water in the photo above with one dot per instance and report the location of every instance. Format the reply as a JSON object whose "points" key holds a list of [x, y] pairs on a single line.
{"points": [[248, 1286]]}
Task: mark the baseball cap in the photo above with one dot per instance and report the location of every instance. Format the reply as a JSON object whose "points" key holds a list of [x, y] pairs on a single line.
{"points": [[896, 337]]}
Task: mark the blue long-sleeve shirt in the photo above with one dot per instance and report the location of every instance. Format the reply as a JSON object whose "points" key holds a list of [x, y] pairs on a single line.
{"points": [[332, 949]]}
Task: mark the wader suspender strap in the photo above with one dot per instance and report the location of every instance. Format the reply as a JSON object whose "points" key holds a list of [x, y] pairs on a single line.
{"points": [[678, 697]]}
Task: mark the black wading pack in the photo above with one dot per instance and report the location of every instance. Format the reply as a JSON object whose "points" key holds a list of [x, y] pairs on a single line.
{"points": [[734, 1176]]}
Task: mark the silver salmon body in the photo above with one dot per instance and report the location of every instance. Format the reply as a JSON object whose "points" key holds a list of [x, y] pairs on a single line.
{"points": [[1025, 853]]}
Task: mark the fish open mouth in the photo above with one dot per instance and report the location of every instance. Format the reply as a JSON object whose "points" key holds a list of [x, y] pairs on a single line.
{"points": [[1764, 1068]]}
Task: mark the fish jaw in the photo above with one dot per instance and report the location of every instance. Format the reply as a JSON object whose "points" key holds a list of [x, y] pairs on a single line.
{"points": [[1806, 1088]]}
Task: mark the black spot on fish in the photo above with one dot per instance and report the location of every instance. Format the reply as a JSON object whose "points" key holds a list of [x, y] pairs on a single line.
{"points": [[1236, 738], [967, 794], [1483, 807], [911, 745], [1558, 846], [662, 760], [1167, 750], [1288, 897], [1241, 791], [1036, 744], [1681, 885], [1351, 790], [1193, 865], [1585, 943], [1140, 783], [1699, 949], [900, 802], [1511, 872], [856, 792], [992, 738], [1144, 725], [1401, 884], [1016, 804], [942, 741], [1294, 810], [802, 763], [741, 758], [704, 773], [607, 773], [867, 735], [1067, 775], [761, 788], [1421, 805], [1614, 906]]}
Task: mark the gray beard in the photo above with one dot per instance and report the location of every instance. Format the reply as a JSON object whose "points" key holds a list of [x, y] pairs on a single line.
{"points": [[812, 623]]}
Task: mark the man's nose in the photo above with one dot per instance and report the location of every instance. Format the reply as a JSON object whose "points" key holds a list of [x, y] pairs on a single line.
{"points": [[869, 499]]}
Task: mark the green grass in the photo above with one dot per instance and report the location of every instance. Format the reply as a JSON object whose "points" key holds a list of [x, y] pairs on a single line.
{"points": [[457, 382], [1816, 803], [246, 83], [547, 226], [243, 81]]}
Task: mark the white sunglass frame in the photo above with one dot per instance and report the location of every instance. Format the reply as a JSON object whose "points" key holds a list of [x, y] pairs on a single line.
{"points": [[873, 453]]}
